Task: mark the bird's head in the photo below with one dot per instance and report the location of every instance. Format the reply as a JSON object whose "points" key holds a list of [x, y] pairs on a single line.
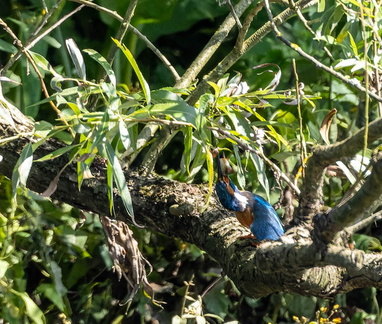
{"points": [[229, 196]]}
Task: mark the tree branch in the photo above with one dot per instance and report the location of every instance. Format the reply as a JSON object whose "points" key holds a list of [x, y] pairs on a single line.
{"points": [[297, 263], [360, 206], [239, 50], [150, 45], [323, 156], [213, 44]]}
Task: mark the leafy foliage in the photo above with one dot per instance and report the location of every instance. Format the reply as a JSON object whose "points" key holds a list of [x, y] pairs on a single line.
{"points": [[54, 261]]}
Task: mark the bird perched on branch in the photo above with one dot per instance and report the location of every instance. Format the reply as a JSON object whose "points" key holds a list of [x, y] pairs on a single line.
{"points": [[251, 210]]}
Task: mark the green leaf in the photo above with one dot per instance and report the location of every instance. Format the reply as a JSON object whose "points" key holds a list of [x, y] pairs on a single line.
{"points": [[105, 64], [124, 135], [142, 81], [102, 129], [211, 172], [367, 243], [56, 273], [22, 168], [76, 57], [178, 112], [40, 61], [119, 179], [49, 291], [261, 175], [186, 157], [31, 309], [109, 175], [321, 5], [7, 47], [4, 265], [57, 153]]}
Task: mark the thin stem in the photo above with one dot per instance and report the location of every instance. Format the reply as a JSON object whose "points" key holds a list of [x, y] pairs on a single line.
{"points": [[246, 147], [150, 45], [22, 49], [302, 138], [122, 30], [34, 40], [211, 47], [352, 82]]}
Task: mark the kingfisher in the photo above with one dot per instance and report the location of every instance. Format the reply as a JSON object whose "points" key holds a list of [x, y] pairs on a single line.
{"points": [[251, 210]]}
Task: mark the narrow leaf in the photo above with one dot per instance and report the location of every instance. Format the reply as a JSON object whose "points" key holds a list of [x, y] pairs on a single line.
{"points": [[77, 58], [261, 175], [325, 125], [31, 309], [277, 75], [120, 181], [142, 81], [22, 168], [57, 153], [105, 64]]}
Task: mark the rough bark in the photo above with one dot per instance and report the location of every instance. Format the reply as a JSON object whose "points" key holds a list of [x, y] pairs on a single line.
{"points": [[299, 263]]}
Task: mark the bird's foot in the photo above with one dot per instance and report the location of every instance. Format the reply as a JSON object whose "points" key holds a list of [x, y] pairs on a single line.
{"points": [[249, 236]]}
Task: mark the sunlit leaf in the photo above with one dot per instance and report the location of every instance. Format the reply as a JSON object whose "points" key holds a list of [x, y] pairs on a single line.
{"points": [[124, 135], [57, 153], [186, 157], [49, 291], [325, 125], [347, 172], [119, 179], [142, 81], [261, 174], [77, 58], [105, 64], [211, 171], [215, 87], [22, 168], [367, 243], [42, 63], [277, 75], [31, 309]]}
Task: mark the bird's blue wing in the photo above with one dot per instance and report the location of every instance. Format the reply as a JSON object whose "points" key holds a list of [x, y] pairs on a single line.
{"points": [[266, 224]]}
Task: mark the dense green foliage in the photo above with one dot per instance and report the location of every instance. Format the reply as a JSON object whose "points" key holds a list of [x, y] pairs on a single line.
{"points": [[54, 264]]}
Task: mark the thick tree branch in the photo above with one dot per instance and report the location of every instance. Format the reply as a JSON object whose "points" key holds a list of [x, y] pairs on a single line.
{"points": [[323, 156], [214, 43], [297, 263], [241, 48], [361, 205]]}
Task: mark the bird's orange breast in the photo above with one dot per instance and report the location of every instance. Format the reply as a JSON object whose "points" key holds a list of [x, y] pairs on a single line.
{"points": [[245, 217]]}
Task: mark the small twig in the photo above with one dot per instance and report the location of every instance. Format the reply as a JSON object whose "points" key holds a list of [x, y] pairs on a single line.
{"points": [[364, 222], [187, 284], [352, 82], [211, 47], [233, 12], [304, 153], [34, 40], [122, 30], [150, 45], [45, 18], [246, 147], [247, 23], [306, 24], [236, 53], [22, 49]]}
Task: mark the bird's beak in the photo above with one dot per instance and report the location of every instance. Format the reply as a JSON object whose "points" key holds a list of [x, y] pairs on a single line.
{"points": [[223, 166]]}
